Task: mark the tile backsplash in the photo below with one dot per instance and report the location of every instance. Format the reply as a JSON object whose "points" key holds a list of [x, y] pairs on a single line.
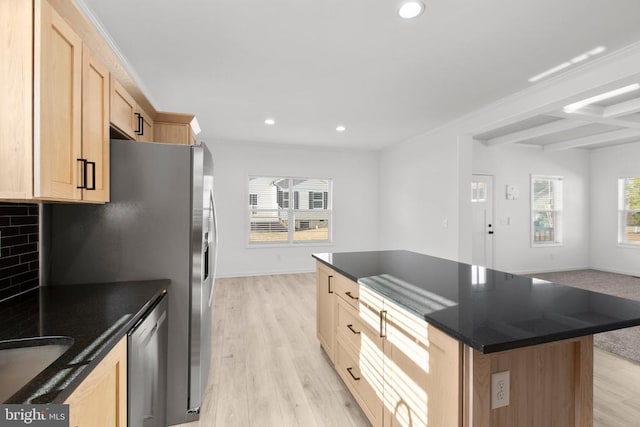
{"points": [[19, 256]]}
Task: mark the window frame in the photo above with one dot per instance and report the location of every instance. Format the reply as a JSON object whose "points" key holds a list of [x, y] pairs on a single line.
{"points": [[622, 211], [291, 210], [557, 213]]}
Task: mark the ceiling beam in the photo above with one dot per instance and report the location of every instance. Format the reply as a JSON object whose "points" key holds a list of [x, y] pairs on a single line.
{"points": [[536, 131], [616, 135], [622, 109], [596, 119]]}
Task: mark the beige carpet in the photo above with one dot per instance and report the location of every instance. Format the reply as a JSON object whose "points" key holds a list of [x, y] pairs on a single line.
{"points": [[624, 342]]}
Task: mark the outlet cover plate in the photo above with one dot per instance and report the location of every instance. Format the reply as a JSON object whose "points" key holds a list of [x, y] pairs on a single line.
{"points": [[500, 388]]}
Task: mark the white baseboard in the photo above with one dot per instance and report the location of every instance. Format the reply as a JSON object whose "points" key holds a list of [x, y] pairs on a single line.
{"points": [[263, 273], [552, 270], [612, 270]]}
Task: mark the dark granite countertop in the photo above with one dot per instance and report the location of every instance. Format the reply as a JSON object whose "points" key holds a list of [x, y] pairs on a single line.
{"points": [[94, 316], [485, 309]]}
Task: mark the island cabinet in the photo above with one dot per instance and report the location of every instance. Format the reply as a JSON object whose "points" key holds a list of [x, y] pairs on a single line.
{"points": [[404, 371], [101, 399], [52, 145], [400, 370], [325, 309]]}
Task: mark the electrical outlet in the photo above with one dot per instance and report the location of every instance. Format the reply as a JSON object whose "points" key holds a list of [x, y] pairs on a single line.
{"points": [[500, 382]]}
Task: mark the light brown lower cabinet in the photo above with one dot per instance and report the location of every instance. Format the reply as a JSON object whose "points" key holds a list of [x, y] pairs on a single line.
{"points": [[404, 372], [101, 399]]}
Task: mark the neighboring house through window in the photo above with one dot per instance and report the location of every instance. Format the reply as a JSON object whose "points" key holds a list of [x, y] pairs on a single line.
{"points": [[273, 219], [546, 210], [629, 211]]}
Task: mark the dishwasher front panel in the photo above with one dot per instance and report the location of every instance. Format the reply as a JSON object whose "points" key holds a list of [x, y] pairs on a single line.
{"points": [[147, 369]]}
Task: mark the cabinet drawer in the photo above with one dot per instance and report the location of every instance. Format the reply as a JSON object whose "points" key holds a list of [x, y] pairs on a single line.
{"points": [[348, 290], [349, 324], [361, 370]]}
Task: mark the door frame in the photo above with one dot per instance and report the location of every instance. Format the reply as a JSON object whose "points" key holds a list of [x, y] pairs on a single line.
{"points": [[492, 188]]}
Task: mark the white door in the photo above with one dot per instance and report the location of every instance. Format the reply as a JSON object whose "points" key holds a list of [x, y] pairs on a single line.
{"points": [[482, 213]]}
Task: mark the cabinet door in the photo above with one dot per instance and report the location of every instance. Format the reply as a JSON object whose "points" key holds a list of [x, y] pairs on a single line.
{"points": [[102, 397], [16, 101], [173, 133], [123, 109], [421, 372], [145, 127], [95, 127], [58, 114], [325, 316]]}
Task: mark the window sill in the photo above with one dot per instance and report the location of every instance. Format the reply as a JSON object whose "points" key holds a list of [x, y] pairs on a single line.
{"points": [[546, 245], [628, 245], [286, 245]]}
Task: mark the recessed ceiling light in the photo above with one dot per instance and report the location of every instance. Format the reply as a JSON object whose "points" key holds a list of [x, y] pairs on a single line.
{"points": [[340, 128], [270, 122], [582, 57], [572, 108], [410, 9]]}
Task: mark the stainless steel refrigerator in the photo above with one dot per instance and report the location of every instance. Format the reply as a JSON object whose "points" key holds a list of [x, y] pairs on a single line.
{"points": [[160, 223]]}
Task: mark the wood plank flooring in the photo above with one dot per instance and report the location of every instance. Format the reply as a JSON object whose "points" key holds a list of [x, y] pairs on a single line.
{"points": [[268, 368]]}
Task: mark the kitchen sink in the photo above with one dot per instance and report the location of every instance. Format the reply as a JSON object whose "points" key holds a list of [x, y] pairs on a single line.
{"points": [[22, 360]]}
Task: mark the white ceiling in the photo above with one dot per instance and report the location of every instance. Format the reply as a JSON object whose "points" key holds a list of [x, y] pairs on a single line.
{"points": [[314, 64]]}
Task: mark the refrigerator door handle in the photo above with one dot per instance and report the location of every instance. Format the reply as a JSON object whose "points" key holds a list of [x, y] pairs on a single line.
{"points": [[214, 220]]}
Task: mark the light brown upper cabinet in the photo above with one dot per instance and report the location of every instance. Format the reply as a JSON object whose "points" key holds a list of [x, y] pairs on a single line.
{"points": [[41, 133], [127, 116], [95, 127], [175, 128], [123, 110], [145, 126]]}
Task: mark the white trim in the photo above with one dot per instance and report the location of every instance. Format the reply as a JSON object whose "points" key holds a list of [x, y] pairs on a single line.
{"points": [[262, 273], [91, 16], [532, 242], [551, 270]]}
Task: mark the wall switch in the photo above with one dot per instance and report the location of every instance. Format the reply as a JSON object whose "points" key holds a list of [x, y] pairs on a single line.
{"points": [[445, 223], [500, 389]]}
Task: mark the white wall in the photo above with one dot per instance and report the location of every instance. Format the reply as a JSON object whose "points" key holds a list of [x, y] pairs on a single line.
{"points": [[607, 165], [511, 164], [425, 179], [355, 202], [419, 207]]}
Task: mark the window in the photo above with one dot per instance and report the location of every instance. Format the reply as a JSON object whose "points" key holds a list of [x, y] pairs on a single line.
{"points": [[629, 211], [273, 219], [546, 210], [478, 191]]}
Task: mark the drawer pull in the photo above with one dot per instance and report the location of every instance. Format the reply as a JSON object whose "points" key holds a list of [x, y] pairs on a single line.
{"points": [[383, 323], [353, 330], [348, 293], [329, 284], [353, 376]]}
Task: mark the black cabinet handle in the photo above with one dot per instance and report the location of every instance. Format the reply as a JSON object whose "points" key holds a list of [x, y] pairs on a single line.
{"points": [[353, 376], [93, 176], [353, 330], [348, 293], [329, 284], [83, 174], [140, 124]]}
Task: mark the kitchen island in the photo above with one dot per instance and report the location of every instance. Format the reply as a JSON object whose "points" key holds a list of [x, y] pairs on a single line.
{"points": [[424, 341]]}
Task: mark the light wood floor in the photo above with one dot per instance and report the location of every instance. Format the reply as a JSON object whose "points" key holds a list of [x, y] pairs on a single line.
{"points": [[268, 369]]}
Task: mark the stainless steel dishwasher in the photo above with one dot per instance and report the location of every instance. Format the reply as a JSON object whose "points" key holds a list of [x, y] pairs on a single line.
{"points": [[147, 369]]}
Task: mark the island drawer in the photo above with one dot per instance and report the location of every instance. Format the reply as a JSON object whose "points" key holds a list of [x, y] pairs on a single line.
{"points": [[361, 370], [348, 290], [353, 324]]}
